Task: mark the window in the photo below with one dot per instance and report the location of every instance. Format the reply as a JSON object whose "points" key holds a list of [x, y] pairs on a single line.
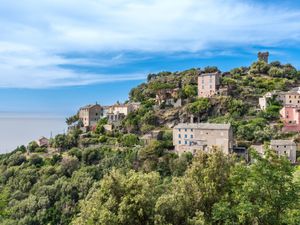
{"points": [[96, 114], [185, 130], [179, 130], [290, 101], [192, 136], [202, 86], [179, 142], [210, 86], [285, 146], [179, 135], [185, 135], [185, 142], [202, 81], [192, 130], [289, 96]]}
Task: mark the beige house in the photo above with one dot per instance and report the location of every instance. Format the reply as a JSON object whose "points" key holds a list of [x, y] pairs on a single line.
{"points": [[118, 111], [208, 84], [43, 142], [291, 97], [263, 101], [192, 137], [286, 148], [90, 114]]}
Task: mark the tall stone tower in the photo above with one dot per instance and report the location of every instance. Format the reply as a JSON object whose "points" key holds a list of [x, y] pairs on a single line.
{"points": [[263, 56]]}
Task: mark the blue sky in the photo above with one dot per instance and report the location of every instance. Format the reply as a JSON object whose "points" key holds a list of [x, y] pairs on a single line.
{"points": [[56, 55]]}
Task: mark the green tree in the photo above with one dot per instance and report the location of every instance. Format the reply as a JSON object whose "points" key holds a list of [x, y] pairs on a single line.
{"points": [[129, 140], [263, 193], [122, 199]]}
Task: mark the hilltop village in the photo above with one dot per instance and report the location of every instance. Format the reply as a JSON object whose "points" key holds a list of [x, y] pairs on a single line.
{"points": [[194, 147], [194, 108]]}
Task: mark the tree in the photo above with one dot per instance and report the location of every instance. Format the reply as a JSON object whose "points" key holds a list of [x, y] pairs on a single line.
{"points": [[190, 91], [199, 107], [263, 193], [129, 140], [122, 199], [32, 146], [211, 69], [191, 197], [69, 165], [72, 119]]}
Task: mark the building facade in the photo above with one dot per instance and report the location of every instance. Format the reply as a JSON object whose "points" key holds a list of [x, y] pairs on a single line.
{"points": [[90, 114], [43, 142], [290, 98], [208, 84], [192, 137], [286, 148], [290, 116]]}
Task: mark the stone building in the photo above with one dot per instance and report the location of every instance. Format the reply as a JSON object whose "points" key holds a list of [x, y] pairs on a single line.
{"points": [[152, 136], [286, 148], [208, 84], [90, 114], [169, 97], [193, 137], [42, 142], [291, 98], [263, 56]]}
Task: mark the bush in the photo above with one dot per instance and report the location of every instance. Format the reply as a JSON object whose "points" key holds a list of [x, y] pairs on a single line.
{"points": [[129, 140], [36, 161]]}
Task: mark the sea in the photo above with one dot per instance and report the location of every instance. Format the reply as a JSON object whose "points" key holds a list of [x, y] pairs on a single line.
{"points": [[18, 129]]}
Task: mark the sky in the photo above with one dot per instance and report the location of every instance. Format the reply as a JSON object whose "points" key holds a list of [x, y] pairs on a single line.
{"points": [[57, 55]]}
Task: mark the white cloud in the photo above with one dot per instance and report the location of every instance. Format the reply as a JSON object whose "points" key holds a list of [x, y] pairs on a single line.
{"points": [[35, 34]]}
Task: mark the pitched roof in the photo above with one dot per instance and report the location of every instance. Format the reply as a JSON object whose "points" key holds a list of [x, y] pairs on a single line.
{"points": [[89, 106], [208, 74], [283, 142], [204, 126]]}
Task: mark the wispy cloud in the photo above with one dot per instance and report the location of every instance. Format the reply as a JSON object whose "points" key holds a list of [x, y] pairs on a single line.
{"points": [[35, 35]]}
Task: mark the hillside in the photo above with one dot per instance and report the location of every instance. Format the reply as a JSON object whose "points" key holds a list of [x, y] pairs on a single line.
{"points": [[113, 177]]}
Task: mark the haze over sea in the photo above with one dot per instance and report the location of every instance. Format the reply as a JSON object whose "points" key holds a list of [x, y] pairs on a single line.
{"points": [[21, 128]]}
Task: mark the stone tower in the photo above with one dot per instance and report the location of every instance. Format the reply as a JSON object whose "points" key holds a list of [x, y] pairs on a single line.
{"points": [[263, 56]]}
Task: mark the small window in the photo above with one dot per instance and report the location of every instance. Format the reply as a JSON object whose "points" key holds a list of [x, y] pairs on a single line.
{"points": [[192, 136], [192, 130], [290, 101], [202, 86], [179, 136], [179, 142], [285, 146], [179, 130], [210, 86], [185, 130], [185, 142], [185, 135]]}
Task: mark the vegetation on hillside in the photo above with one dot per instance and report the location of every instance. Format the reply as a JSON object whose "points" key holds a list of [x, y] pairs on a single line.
{"points": [[113, 177]]}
